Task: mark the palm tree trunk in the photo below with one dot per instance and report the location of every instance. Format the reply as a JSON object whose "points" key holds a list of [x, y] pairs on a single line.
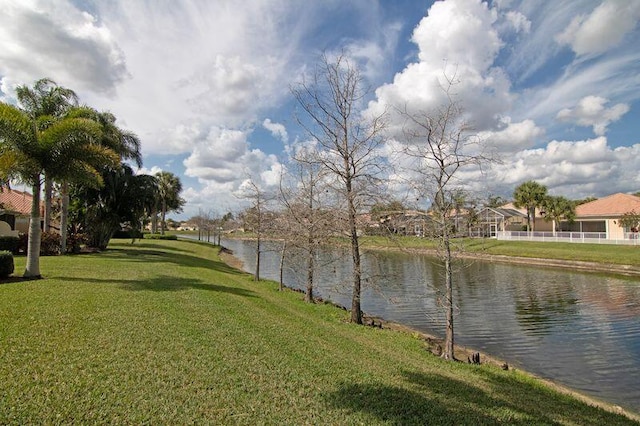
{"points": [[64, 214], [48, 194], [164, 212], [32, 269]]}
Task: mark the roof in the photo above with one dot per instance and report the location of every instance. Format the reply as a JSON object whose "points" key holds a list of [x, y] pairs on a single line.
{"points": [[509, 212], [15, 201], [613, 205]]}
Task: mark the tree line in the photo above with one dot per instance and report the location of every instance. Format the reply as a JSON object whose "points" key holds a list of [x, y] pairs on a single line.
{"points": [[52, 143]]}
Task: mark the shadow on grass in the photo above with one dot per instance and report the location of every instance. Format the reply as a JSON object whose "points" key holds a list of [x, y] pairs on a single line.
{"points": [[436, 399], [162, 256], [164, 283]]}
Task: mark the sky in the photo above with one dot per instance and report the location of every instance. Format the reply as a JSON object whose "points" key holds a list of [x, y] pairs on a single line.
{"points": [[206, 84]]}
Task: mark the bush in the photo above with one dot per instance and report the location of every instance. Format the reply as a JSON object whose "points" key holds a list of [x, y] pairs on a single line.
{"points": [[75, 242], [23, 242], [6, 264], [161, 237], [9, 243], [50, 244], [129, 233]]}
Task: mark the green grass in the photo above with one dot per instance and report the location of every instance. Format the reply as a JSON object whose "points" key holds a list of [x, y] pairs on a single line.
{"points": [[599, 253], [162, 332]]}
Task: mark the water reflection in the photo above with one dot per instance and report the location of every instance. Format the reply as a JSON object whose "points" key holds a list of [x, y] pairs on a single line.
{"points": [[582, 330]]}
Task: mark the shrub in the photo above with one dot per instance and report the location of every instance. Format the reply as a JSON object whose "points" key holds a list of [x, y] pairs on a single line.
{"points": [[161, 237], [6, 264], [75, 242], [23, 242], [9, 243], [50, 244], [129, 233]]}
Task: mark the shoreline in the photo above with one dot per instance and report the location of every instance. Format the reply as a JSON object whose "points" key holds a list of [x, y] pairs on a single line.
{"points": [[433, 343], [580, 265]]}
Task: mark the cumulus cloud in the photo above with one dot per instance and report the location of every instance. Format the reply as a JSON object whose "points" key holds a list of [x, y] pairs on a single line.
{"points": [[457, 42], [223, 159], [277, 130], [513, 137], [575, 169], [591, 111], [603, 29], [57, 40]]}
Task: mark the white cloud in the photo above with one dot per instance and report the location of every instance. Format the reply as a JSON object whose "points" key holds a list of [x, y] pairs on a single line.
{"points": [[603, 29], [513, 137], [222, 161], [277, 130], [145, 171], [591, 111], [519, 22], [56, 40], [575, 169], [456, 40]]}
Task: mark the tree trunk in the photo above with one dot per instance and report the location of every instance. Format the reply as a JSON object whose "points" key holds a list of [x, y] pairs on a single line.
{"points": [[308, 297], [32, 269], [256, 276], [154, 221], [448, 341], [64, 214], [356, 311], [164, 213], [282, 255], [48, 194]]}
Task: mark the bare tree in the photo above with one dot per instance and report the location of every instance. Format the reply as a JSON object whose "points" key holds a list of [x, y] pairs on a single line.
{"points": [[306, 219], [255, 216], [347, 139], [439, 146]]}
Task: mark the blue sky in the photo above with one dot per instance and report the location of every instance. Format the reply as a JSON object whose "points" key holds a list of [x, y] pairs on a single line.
{"points": [[555, 86]]}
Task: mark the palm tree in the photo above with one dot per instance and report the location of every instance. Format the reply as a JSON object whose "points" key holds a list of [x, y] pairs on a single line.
{"points": [[124, 144], [31, 147], [530, 195], [123, 198], [169, 188], [48, 102], [558, 208]]}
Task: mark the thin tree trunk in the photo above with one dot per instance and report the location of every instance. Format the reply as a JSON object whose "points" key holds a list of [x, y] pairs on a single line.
{"points": [[310, 267], [282, 256], [64, 214], [256, 276], [48, 194], [32, 269], [449, 335], [356, 311]]}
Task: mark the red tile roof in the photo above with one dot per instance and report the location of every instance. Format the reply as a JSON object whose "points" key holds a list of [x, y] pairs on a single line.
{"points": [[16, 201], [613, 205]]}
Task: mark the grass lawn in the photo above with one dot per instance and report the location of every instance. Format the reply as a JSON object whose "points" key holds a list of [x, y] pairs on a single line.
{"points": [[599, 253], [162, 332]]}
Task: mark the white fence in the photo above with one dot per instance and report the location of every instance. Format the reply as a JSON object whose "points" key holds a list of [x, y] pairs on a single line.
{"points": [[631, 238]]}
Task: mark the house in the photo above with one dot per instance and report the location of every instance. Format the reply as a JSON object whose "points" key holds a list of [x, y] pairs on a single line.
{"points": [[15, 210], [603, 215], [538, 223], [491, 220]]}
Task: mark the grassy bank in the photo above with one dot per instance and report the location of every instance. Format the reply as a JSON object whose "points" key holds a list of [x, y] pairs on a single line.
{"points": [[164, 332], [598, 253]]}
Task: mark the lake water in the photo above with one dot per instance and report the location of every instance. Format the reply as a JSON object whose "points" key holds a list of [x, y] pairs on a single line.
{"points": [[578, 329]]}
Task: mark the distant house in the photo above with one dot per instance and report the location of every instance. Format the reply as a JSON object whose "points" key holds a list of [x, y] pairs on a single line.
{"points": [[407, 222], [15, 210], [490, 221], [603, 215]]}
